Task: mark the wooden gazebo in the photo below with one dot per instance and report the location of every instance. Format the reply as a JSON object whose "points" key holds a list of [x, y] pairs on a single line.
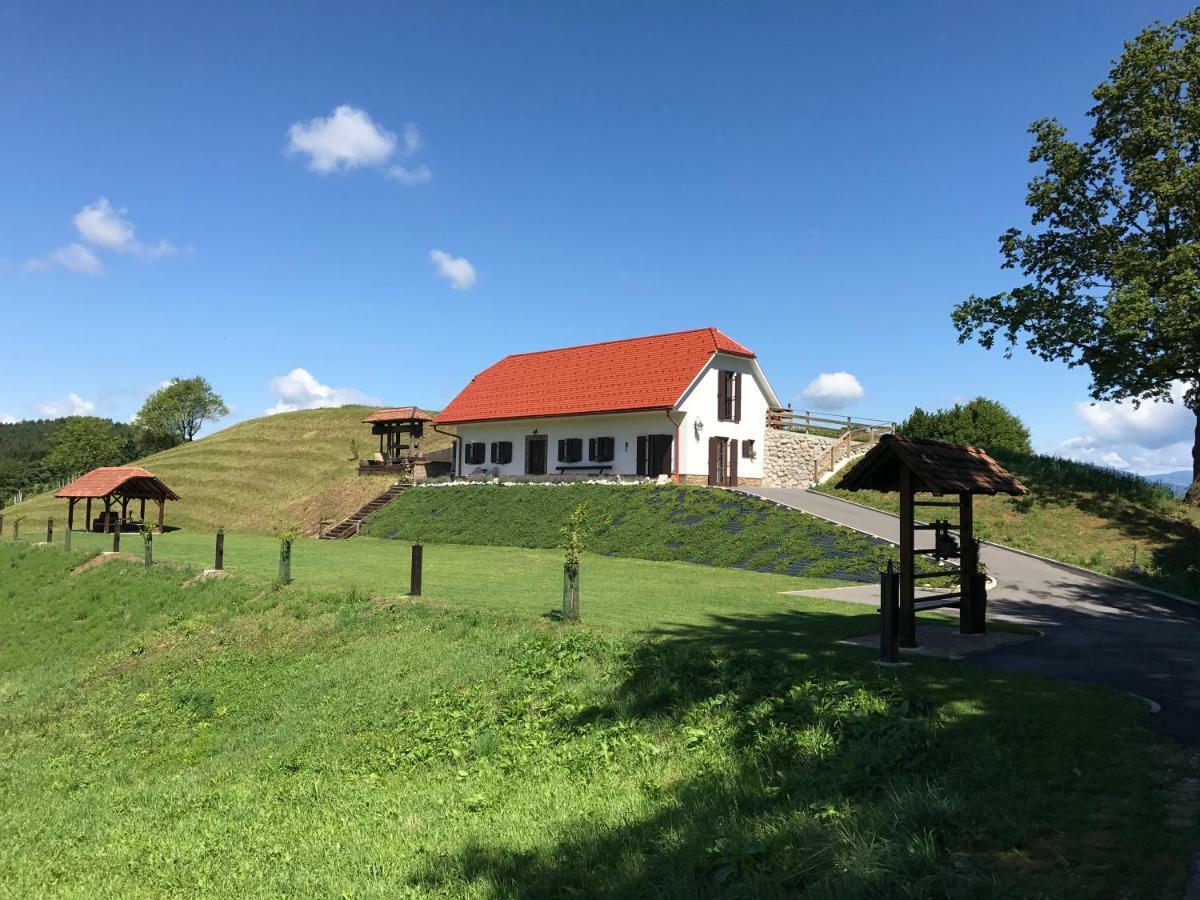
{"points": [[911, 466], [116, 485], [399, 430]]}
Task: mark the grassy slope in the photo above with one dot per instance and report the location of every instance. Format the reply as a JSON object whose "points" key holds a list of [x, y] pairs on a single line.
{"points": [[1088, 516], [645, 521], [293, 466], [233, 740]]}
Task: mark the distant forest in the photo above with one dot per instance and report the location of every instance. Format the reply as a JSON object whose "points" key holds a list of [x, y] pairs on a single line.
{"points": [[28, 463]]}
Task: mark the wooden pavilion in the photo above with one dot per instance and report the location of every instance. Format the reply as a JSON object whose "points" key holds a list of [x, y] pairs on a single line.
{"points": [[911, 466], [399, 430], [116, 485]]}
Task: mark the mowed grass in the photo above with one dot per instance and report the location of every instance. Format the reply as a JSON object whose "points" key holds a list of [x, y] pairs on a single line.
{"points": [[235, 739], [292, 467], [1085, 515]]}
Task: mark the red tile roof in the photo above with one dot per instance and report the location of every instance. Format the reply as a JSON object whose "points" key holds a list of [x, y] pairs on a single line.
{"points": [[131, 480], [615, 376], [398, 414]]}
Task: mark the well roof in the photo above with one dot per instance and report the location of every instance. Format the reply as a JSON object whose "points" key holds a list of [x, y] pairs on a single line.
{"points": [[398, 414], [937, 468]]}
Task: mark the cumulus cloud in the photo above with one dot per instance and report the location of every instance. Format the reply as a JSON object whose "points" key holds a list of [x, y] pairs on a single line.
{"points": [[298, 389], [101, 226], [74, 405], [455, 269], [833, 390], [348, 138], [8, 419], [1149, 439]]}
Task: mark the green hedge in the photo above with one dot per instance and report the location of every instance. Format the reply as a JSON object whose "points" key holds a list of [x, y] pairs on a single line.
{"points": [[688, 524]]}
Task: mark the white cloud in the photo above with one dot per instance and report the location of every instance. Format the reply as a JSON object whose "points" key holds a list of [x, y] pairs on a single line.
{"points": [[833, 390], [75, 257], [103, 226], [74, 405], [455, 269], [1149, 439], [349, 138], [298, 389], [8, 419]]}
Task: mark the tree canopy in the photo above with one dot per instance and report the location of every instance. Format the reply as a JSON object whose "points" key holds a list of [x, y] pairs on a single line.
{"points": [[979, 423], [1112, 263], [180, 408], [82, 443]]}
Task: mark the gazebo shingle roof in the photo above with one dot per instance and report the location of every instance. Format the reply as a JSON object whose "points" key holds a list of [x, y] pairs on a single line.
{"points": [[132, 481], [937, 468], [398, 414]]}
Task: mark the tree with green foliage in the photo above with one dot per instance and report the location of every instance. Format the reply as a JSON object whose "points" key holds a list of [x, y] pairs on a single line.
{"points": [[1112, 264], [180, 408], [979, 423], [82, 443]]}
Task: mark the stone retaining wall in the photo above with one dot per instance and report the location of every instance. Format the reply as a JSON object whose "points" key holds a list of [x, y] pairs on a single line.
{"points": [[789, 456]]}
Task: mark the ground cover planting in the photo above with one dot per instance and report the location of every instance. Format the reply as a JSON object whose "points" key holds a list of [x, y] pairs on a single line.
{"points": [[233, 738], [671, 522]]}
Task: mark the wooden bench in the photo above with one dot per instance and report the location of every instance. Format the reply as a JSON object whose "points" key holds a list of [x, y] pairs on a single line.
{"points": [[598, 468]]}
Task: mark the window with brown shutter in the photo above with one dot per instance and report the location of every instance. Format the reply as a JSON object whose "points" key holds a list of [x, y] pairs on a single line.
{"points": [[729, 396], [501, 452], [601, 449], [474, 452], [748, 449], [570, 450]]}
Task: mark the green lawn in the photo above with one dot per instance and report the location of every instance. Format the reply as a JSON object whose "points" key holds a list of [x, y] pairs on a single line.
{"points": [[709, 738]]}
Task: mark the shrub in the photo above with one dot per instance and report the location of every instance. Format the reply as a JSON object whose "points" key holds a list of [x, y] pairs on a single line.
{"points": [[980, 423]]}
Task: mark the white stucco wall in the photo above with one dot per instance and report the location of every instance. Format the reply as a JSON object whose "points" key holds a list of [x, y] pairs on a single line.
{"points": [[700, 402], [624, 428]]}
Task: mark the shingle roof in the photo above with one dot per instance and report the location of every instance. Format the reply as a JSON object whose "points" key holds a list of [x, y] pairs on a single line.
{"points": [[130, 480], [398, 414], [615, 376], [937, 468]]}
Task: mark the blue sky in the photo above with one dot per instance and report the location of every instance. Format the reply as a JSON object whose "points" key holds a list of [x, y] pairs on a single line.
{"points": [[823, 182]]}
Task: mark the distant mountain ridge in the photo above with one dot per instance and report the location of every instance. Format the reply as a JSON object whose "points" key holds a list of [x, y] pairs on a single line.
{"points": [[1179, 481]]}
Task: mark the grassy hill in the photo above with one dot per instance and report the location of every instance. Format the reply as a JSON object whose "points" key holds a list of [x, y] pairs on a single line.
{"points": [[235, 740], [293, 466], [688, 524], [1089, 516]]}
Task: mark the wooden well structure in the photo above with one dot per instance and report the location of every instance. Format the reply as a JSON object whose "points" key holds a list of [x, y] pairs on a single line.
{"points": [[116, 486], [954, 474], [399, 430]]}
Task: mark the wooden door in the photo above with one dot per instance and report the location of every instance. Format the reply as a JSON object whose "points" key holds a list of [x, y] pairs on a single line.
{"points": [[535, 455]]}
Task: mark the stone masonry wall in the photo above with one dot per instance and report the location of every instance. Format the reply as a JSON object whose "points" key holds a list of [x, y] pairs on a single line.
{"points": [[788, 457]]}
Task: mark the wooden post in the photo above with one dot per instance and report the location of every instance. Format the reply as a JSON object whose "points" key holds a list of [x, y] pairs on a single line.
{"points": [[908, 617], [116, 533], [71, 513], [219, 560], [148, 539], [16, 528], [124, 512], [889, 616], [142, 510], [107, 509], [50, 530], [968, 564], [285, 561], [1, 523], [87, 526], [162, 510], [415, 571], [67, 541], [977, 623]]}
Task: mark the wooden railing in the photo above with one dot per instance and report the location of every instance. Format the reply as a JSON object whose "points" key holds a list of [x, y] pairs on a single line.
{"points": [[791, 420], [843, 447]]}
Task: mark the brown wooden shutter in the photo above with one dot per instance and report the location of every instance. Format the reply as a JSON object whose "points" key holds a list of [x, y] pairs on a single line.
{"points": [[714, 461], [722, 395], [737, 398], [733, 462], [643, 454]]}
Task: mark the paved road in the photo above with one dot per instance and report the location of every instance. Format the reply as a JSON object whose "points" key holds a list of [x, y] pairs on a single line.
{"points": [[1097, 629]]}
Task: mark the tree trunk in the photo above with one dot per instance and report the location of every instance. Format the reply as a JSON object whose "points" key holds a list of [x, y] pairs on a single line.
{"points": [[1193, 493]]}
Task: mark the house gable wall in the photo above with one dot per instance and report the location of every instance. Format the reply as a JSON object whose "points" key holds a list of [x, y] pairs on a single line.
{"points": [[700, 403]]}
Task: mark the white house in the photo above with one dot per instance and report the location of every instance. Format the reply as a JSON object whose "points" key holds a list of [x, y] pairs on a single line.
{"points": [[691, 405]]}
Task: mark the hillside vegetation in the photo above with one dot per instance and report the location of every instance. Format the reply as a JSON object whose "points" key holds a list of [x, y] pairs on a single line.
{"points": [[294, 466], [674, 522], [236, 740], [1088, 516]]}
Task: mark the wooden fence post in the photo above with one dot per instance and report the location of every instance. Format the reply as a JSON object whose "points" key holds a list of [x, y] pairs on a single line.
{"points": [[16, 529], [117, 539], [1, 523], [889, 615], [285, 561], [50, 530], [67, 541], [148, 539], [415, 570], [219, 559]]}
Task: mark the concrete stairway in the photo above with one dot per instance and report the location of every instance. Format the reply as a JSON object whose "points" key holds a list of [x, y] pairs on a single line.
{"points": [[349, 526]]}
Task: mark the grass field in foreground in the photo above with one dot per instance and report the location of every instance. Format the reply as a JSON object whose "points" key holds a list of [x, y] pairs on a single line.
{"points": [[229, 739]]}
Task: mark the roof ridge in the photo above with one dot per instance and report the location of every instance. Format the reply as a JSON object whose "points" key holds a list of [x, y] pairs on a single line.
{"points": [[644, 337]]}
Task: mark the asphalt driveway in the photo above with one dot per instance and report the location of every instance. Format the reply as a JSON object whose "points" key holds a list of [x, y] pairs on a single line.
{"points": [[1097, 629]]}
